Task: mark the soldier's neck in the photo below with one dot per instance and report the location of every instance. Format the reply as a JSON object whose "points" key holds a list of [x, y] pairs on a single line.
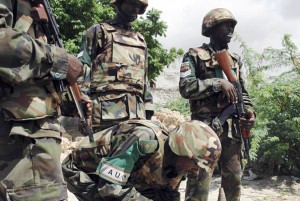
{"points": [[217, 46], [122, 22]]}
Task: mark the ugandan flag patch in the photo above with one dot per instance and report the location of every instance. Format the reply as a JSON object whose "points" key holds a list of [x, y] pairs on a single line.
{"points": [[185, 69]]}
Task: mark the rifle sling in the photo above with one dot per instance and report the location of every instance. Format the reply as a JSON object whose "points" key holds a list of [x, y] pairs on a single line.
{"points": [[219, 121]]}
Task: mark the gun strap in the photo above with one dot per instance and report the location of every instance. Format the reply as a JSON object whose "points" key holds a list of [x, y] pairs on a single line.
{"points": [[219, 121]]}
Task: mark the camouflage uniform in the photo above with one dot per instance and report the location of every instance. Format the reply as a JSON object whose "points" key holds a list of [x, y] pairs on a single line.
{"points": [[200, 77], [129, 161], [30, 135], [116, 74]]}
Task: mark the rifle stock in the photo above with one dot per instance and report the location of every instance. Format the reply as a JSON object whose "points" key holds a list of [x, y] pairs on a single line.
{"points": [[226, 63], [42, 14]]}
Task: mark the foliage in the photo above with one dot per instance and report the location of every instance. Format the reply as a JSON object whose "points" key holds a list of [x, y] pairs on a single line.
{"points": [[73, 19], [276, 135], [74, 16], [151, 27], [181, 105]]}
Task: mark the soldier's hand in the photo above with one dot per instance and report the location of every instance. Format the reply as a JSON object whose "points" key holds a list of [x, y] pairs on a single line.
{"points": [[248, 123], [229, 91], [88, 108], [75, 69], [88, 102]]}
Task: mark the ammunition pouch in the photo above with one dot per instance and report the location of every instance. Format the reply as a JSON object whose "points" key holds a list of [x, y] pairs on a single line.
{"points": [[110, 109]]}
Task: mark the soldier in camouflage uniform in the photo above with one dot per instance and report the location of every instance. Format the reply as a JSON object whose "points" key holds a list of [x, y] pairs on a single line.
{"points": [[115, 59], [139, 160], [205, 85], [30, 135]]}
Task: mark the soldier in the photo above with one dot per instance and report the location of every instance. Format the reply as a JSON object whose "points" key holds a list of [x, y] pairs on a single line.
{"points": [[30, 136], [209, 92], [127, 164], [115, 59]]}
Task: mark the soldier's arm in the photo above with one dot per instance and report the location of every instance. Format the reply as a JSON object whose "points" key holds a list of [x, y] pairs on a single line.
{"points": [[24, 59], [91, 45], [191, 87]]}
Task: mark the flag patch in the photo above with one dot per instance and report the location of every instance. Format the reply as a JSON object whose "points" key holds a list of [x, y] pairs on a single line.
{"points": [[185, 69]]}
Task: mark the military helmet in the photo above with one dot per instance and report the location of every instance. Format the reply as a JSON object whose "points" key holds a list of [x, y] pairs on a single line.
{"points": [[197, 141], [214, 17], [144, 2]]}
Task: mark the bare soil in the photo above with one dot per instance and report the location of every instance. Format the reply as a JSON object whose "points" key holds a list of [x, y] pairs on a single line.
{"points": [[269, 189], [276, 188]]}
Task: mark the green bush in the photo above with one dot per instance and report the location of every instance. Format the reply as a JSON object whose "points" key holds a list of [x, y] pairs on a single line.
{"points": [[181, 105]]}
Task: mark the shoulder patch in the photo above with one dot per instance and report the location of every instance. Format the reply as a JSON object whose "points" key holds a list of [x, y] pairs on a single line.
{"points": [[185, 69]]}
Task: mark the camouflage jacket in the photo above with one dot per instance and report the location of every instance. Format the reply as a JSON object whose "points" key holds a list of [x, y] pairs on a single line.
{"points": [[146, 174], [27, 66], [200, 83], [115, 73]]}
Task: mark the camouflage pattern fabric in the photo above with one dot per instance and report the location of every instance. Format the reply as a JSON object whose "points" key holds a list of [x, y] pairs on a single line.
{"points": [[26, 62], [116, 74], [30, 167], [198, 142], [200, 84], [30, 135], [148, 176], [214, 17], [143, 2]]}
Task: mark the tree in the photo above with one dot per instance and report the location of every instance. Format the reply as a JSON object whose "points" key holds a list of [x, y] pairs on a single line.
{"points": [[74, 16], [276, 136]]}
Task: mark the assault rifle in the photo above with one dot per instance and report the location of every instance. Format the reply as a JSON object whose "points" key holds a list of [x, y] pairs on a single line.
{"points": [[238, 108], [42, 14]]}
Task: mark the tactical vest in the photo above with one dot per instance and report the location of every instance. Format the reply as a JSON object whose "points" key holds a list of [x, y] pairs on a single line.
{"points": [[122, 64], [208, 108], [118, 77], [28, 102], [212, 69]]}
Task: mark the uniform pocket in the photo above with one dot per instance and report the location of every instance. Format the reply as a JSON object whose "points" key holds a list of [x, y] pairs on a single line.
{"points": [[108, 108], [115, 109]]}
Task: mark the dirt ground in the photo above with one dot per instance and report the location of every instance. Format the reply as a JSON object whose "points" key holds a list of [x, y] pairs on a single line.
{"points": [[269, 189]]}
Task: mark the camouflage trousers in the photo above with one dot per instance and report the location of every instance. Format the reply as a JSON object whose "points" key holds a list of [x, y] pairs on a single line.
{"points": [[231, 168], [30, 168], [231, 172], [197, 189]]}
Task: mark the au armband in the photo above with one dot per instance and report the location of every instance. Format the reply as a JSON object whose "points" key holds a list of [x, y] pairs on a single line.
{"points": [[117, 169]]}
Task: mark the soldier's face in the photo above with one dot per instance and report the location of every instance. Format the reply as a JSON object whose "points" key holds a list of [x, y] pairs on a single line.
{"points": [[130, 9], [223, 32]]}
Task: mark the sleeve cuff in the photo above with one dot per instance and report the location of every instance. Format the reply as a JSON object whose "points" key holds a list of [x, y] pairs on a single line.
{"points": [[60, 63]]}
